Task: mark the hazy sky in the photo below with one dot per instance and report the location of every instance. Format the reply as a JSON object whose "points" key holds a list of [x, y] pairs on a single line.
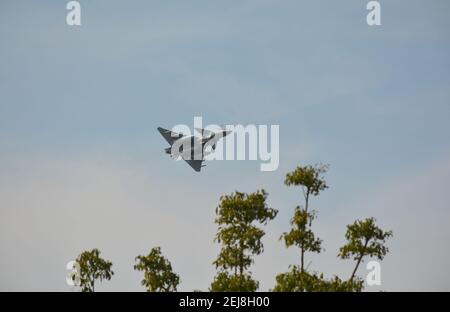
{"points": [[82, 165]]}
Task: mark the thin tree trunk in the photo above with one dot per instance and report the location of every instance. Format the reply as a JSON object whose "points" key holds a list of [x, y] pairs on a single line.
{"points": [[306, 200], [241, 267], [302, 266], [356, 267], [359, 261], [302, 260], [93, 282]]}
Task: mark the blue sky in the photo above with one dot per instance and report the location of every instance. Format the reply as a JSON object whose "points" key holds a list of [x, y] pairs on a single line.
{"points": [[82, 164]]}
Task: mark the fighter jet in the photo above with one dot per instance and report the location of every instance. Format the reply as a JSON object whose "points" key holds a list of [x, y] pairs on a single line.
{"points": [[192, 148]]}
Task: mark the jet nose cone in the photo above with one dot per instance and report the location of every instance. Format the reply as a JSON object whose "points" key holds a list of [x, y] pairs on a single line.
{"points": [[226, 132]]}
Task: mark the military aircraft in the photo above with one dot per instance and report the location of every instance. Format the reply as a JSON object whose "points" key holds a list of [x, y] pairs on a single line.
{"points": [[192, 148]]}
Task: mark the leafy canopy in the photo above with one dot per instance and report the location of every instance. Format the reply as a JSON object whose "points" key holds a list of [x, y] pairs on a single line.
{"points": [[297, 281], [237, 217], [301, 235], [309, 177], [92, 267], [225, 281], [365, 238], [312, 182], [158, 274]]}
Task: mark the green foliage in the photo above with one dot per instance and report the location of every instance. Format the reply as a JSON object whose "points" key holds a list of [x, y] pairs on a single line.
{"points": [[297, 281], [311, 180], [239, 217], [309, 177], [158, 274], [240, 238], [301, 235], [92, 267], [364, 238], [230, 282]]}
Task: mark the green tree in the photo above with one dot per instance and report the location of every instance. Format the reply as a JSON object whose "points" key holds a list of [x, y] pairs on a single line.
{"points": [[91, 268], [297, 281], [311, 181], [237, 216], [301, 234], [225, 281], [310, 178], [364, 238], [158, 274]]}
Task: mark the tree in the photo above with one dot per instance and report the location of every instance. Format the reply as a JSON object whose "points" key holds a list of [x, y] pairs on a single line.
{"points": [[312, 183], [309, 178], [301, 235], [298, 281], [91, 268], [240, 238], [158, 274], [224, 281], [364, 238]]}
